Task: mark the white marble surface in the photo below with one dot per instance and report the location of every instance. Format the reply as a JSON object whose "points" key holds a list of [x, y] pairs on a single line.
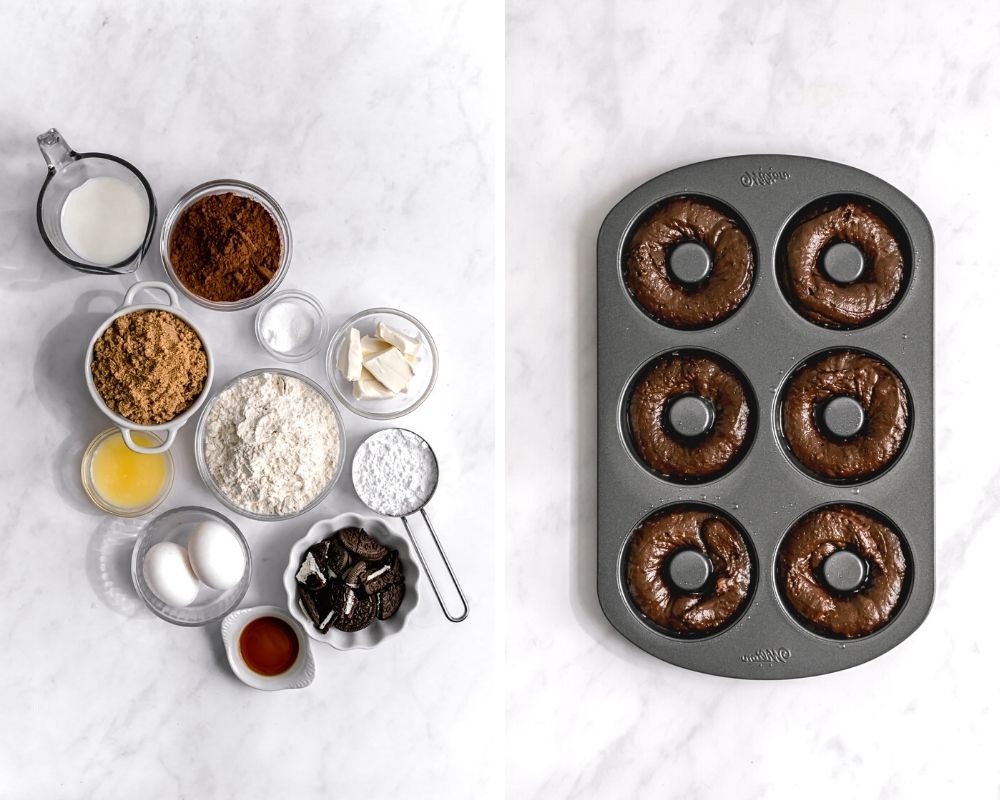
{"points": [[603, 96], [372, 125]]}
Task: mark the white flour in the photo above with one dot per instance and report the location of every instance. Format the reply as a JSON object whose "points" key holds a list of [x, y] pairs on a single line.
{"points": [[272, 443], [394, 472]]}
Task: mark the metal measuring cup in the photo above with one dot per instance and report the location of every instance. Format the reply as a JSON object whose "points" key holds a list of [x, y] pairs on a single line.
{"points": [[404, 515]]}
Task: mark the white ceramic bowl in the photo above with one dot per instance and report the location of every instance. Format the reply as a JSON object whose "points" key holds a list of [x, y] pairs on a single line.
{"points": [[425, 370], [302, 672], [166, 432], [379, 630]]}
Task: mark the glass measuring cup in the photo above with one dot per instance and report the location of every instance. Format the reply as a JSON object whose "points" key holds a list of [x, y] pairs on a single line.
{"points": [[416, 503], [68, 170]]}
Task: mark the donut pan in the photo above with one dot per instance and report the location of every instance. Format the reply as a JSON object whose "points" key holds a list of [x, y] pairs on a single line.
{"points": [[767, 491]]}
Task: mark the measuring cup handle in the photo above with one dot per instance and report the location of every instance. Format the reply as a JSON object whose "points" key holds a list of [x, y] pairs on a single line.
{"points": [[138, 286], [430, 576], [56, 152], [135, 447]]}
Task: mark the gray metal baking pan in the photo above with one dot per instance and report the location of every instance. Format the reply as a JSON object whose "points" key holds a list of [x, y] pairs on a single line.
{"points": [[767, 492]]}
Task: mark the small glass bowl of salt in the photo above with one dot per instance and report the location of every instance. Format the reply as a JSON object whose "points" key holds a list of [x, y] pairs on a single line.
{"points": [[291, 325]]}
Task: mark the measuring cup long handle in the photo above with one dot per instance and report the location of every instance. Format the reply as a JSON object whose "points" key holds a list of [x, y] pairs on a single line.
{"points": [[430, 575]]}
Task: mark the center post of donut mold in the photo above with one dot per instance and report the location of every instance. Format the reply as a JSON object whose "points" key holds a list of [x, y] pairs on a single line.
{"points": [[844, 571], [689, 571], [843, 262], [843, 416], [689, 416], [689, 263]]}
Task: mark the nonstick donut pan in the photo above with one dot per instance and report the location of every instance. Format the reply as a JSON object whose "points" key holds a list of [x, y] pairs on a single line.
{"points": [[766, 491]]}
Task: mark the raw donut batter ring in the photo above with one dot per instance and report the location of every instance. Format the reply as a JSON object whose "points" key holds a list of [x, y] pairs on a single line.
{"points": [[677, 457], [883, 399], [671, 300], [817, 536], [717, 539], [823, 300]]}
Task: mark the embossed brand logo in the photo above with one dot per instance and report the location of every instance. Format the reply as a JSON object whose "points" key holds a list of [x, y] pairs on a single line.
{"points": [[776, 655], [763, 177]]}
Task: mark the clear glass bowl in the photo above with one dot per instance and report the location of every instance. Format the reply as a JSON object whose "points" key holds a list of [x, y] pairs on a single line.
{"points": [[242, 189], [175, 526], [425, 370], [87, 476], [202, 464], [311, 306]]}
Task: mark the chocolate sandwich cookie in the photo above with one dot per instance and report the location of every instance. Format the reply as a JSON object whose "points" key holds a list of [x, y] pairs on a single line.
{"points": [[384, 574], [338, 558], [389, 600], [361, 544], [352, 610], [355, 576], [312, 573], [318, 606]]}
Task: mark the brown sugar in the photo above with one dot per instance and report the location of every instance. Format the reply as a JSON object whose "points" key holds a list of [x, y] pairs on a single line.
{"points": [[225, 247], [149, 366]]}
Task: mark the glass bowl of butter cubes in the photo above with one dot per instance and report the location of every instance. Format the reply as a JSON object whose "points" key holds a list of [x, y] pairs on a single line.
{"points": [[382, 363]]}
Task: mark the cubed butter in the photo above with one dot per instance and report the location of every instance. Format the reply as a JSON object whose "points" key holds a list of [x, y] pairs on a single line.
{"points": [[355, 358], [370, 345], [390, 369], [406, 345], [368, 388]]}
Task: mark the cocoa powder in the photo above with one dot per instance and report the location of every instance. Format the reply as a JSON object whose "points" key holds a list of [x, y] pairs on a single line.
{"points": [[225, 247], [149, 366]]}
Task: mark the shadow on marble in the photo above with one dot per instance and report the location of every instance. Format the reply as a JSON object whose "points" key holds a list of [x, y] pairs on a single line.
{"points": [[60, 388], [583, 492], [213, 635], [109, 563], [26, 264]]}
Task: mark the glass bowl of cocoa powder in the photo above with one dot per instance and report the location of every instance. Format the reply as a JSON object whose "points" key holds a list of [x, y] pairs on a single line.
{"points": [[226, 245]]}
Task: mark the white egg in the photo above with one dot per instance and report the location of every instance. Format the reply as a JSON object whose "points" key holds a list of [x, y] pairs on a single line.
{"points": [[216, 555], [169, 575]]}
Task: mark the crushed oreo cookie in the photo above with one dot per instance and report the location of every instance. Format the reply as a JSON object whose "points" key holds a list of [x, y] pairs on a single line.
{"points": [[349, 580]]}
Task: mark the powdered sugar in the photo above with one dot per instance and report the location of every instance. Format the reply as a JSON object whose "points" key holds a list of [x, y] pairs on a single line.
{"points": [[394, 472], [272, 443]]}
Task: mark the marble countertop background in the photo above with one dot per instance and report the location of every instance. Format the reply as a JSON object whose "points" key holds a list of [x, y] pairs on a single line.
{"points": [[372, 125], [601, 97]]}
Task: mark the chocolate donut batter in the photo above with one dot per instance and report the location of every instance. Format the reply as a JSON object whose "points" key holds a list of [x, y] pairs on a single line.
{"points": [[822, 300], [671, 301], [689, 528], [882, 396], [677, 457], [814, 538]]}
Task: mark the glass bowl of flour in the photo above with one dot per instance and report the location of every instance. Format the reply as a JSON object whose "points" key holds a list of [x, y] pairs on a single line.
{"points": [[270, 444]]}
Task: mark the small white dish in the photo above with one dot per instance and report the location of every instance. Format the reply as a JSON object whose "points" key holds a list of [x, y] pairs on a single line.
{"points": [[379, 630], [302, 672]]}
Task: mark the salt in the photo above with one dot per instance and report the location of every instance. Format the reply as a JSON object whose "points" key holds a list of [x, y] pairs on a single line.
{"points": [[287, 327], [394, 472]]}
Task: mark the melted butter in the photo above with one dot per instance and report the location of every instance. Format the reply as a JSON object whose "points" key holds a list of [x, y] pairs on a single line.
{"points": [[127, 479]]}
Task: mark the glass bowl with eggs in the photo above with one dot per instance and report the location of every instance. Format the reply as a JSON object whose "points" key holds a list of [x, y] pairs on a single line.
{"points": [[191, 566]]}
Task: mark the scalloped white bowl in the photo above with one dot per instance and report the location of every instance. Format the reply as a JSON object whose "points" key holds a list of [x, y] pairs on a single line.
{"points": [[378, 631]]}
